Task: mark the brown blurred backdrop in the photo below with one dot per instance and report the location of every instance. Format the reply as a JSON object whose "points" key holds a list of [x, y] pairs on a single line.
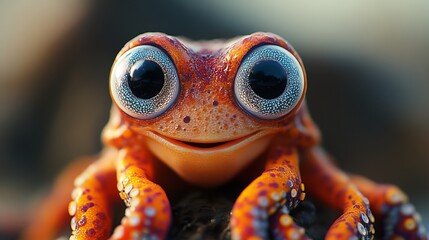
{"points": [[367, 64]]}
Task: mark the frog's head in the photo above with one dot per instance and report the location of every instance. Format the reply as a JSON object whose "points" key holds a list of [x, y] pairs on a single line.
{"points": [[206, 109]]}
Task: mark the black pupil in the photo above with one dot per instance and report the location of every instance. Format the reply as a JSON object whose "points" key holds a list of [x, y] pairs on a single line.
{"points": [[268, 79], [146, 79]]}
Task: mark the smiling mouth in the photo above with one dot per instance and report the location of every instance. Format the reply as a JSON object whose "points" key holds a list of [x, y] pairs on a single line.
{"points": [[222, 145], [208, 163], [204, 145]]}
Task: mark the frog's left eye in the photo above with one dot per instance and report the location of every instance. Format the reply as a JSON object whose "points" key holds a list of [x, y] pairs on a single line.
{"points": [[144, 82], [269, 82]]}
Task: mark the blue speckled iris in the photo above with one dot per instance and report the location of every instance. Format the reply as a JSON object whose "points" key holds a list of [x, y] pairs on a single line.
{"points": [[156, 103], [269, 108]]}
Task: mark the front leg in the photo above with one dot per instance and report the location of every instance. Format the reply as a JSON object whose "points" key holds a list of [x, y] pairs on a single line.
{"points": [[332, 186], [92, 199], [273, 194], [396, 217], [51, 217], [148, 213]]}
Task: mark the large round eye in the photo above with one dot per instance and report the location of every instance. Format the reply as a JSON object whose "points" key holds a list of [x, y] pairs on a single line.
{"points": [[144, 82], [269, 82]]}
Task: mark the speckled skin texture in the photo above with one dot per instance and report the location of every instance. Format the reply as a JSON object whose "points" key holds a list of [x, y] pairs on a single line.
{"points": [[144, 160]]}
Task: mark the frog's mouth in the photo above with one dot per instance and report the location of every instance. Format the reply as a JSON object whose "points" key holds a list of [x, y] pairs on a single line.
{"points": [[208, 163], [207, 147]]}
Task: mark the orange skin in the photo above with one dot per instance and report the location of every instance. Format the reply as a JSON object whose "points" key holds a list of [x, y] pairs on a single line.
{"points": [[204, 113]]}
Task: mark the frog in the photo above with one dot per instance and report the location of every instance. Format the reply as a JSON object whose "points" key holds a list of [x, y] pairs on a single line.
{"points": [[210, 113]]}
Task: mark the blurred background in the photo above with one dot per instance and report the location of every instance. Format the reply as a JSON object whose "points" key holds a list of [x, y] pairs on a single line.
{"points": [[367, 64]]}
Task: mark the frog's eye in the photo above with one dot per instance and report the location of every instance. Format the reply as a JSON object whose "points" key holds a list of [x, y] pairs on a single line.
{"points": [[144, 82], [269, 82]]}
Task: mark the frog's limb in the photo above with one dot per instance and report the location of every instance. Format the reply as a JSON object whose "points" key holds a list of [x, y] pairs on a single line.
{"points": [[396, 217], [332, 186], [148, 213], [92, 199], [277, 187], [51, 215], [284, 227]]}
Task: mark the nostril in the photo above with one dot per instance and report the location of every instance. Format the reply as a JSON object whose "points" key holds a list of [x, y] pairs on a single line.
{"points": [[186, 119]]}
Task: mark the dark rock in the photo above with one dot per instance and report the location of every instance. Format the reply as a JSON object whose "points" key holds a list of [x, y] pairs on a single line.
{"points": [[206, 215]]}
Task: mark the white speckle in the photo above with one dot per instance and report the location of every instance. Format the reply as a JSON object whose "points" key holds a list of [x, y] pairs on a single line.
{"points": [[128, 212], [255, 212], [293, 193], [125, 181], [290, 183], [128, 188], [407, 209], [134, 220], [417, 217], [285, 220], [263, 201], [135, 202], [120, 186], [364, 217], [79, 180], [275, 196], [365, 200], [72, 208], [257, 224], [295, 235], [73, 223], [75, 193], [396, 198], [285, 210], [359, 194], [283, 194], [119, 232], [362, 230], [134, 192], [150, 211], [371, 217], [72, 237]]}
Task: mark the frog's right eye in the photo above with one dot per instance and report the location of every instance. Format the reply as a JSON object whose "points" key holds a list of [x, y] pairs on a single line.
{"points": [[144, 82]]}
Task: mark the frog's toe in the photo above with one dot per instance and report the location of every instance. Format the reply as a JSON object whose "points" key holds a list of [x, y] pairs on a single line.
{"points": [[267, 214], [402, 222], [396, 218], [284, 227], [148, 213], [278, 226], [356, 222]]}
